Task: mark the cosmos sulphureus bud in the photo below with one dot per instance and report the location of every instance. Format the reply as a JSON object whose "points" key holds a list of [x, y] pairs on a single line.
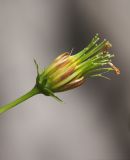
{"points": [[69, 71]]}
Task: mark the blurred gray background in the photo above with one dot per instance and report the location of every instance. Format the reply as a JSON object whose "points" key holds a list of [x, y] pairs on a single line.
{"points": [[92, 124]]}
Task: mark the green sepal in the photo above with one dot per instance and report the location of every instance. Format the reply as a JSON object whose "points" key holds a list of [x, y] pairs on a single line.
{"points": [[48, 92], [37, 67]]}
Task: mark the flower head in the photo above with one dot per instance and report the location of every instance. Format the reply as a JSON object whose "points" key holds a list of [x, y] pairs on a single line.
{"points": [[70, 71]]}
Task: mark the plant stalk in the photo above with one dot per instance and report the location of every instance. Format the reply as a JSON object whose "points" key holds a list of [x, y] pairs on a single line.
{"points": [[21, 99]]}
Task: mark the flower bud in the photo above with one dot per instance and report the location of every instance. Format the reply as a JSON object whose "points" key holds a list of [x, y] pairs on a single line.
{"points": [[70, 71]]}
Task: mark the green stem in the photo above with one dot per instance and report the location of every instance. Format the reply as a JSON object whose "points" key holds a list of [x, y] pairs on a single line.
{"points": [[26, 96]]}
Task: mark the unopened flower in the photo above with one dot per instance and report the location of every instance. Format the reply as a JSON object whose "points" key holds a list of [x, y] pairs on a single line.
{"points": [[70, 71]]}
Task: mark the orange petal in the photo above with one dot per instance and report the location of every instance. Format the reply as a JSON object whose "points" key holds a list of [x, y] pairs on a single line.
{"points": [[117, 70]]}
